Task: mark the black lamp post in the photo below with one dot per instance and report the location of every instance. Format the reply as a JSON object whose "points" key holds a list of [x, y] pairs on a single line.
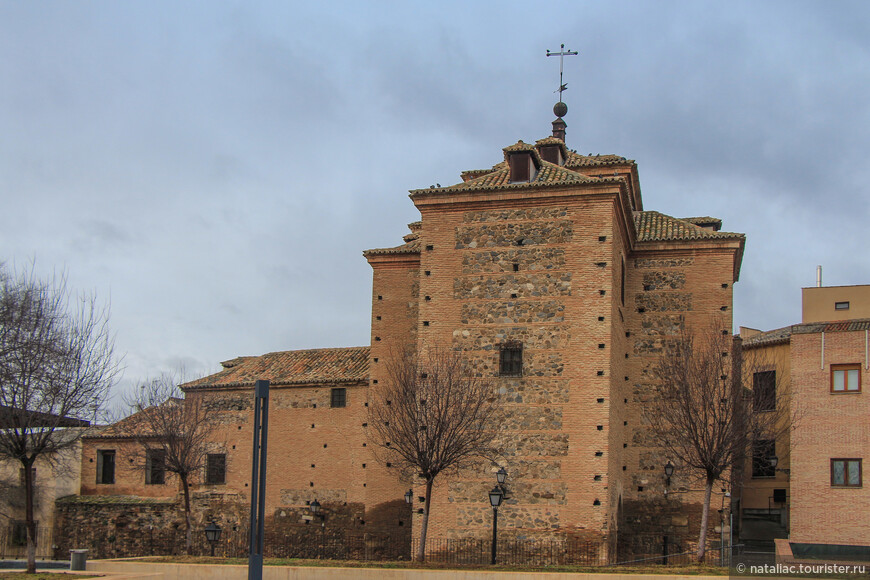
{"points": [[495, 497], [212, 535], [669, 471], [314, 508], [501, 476], [409, 497]]}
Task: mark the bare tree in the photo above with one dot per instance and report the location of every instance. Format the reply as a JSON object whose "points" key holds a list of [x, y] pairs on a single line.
{"points": [[704, 417], [56, 368], [432, 417], [174, 433]]}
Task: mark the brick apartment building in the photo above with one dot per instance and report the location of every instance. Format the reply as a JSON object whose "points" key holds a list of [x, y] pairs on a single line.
{"points": [[816, 491], [548, 256]]}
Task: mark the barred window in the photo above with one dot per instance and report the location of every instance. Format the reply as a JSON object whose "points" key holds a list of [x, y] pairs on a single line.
{"points": [[511, 359], [216, 469], [338, 398]]}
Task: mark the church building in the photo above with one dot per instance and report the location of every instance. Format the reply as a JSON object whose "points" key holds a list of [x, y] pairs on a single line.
{"points": [[548, 275]]}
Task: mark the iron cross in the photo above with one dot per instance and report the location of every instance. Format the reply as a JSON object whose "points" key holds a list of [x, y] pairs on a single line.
{"points": [[562, 54]]}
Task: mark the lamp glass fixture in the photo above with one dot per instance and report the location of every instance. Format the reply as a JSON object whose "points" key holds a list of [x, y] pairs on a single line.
{"points": [[669, 469], [774, 460], [495, 497], [409, 497], [501, 475], [212, 532], [314, 506]]}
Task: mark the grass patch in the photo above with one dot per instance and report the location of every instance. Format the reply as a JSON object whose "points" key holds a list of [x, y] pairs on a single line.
{"points": [[693, 570]]}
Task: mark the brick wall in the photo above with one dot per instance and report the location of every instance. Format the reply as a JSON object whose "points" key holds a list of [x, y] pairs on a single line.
{"points": [[831, 426]]}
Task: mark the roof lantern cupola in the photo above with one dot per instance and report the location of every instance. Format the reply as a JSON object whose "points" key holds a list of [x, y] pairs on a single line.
{"points": [[560, 109]]}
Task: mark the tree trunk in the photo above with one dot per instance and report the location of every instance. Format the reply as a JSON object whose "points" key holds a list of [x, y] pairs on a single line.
{"points": [[188, 536], [424, 527], [28, 517], [705, 516]]}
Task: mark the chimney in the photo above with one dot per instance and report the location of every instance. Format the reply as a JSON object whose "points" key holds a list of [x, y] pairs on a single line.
{"points": [[559, 126], [818, 276]]}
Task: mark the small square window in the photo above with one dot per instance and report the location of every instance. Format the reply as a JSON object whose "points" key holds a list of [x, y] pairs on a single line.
{"points": [[338, 397], [841, 306], [846, 378], [511, 359], [846, 473], [216, 469]]}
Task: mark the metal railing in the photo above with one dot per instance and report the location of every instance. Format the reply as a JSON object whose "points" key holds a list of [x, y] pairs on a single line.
{"points": [[317, 543], [13, 543]]}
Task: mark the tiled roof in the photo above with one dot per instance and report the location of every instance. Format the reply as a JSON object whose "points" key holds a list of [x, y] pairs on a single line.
{"points": [[134, 425], [653, 226], [292, 367], [577, 160], [704, 221], [113, 499], [11, 417], [548, 175], [778, 336], [550, 141], [840, 326], [412, 247]]}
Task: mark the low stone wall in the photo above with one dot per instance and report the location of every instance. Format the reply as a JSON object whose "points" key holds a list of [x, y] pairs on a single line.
{"points": [[126, 526]]}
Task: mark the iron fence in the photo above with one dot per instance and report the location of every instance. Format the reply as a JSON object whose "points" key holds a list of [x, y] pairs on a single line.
{"points": [[317, 543], [13, 543]]}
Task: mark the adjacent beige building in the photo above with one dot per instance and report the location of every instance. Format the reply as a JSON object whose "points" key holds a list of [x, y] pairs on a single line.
{"points": [[822, 365]]}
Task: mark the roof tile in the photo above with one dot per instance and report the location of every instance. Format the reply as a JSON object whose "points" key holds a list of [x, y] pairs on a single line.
{"points": [[653, 226], [292, 367]]}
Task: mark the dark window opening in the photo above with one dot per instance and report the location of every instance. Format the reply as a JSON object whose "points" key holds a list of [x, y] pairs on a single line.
{"points": [[764, 390], [841, 305], [18, 537], [511, 359], [216, 469], [520, 167], [155, 467], [106, 466], [762, 451]]}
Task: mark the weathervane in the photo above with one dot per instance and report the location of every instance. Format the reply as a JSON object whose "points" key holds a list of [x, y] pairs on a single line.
{"points": [[561, 54]]}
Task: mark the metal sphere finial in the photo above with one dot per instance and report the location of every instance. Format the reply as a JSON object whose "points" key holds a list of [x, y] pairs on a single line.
{"points": [[560, 109]]}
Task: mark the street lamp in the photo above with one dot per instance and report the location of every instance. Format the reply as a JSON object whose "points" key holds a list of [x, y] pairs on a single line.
{"points": [[501, 476], [669, 471], [409, 497], [774, 461], [212, 535], [495, 497]]}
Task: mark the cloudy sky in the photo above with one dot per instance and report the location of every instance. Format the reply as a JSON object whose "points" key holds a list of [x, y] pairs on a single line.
{"points": [[214, 169]]}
